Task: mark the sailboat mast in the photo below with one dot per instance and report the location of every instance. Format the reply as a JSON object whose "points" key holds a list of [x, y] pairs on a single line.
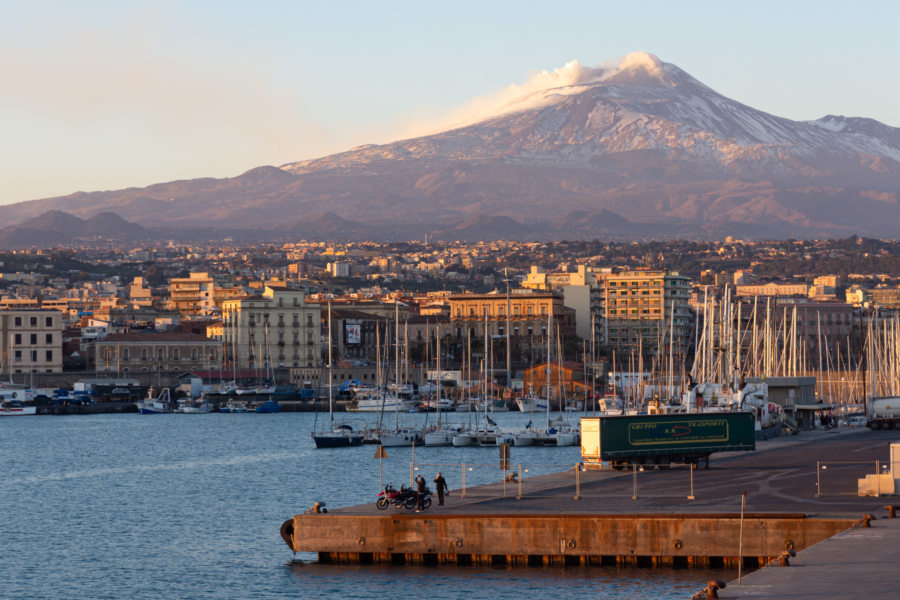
{"points": [[330, 376], [549, 328], [440, 378]]}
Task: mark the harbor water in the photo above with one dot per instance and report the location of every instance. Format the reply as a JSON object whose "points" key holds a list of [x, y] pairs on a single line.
{"points": [[189, 506]]}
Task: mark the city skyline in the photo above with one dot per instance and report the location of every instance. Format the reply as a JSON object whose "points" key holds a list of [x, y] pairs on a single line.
{"points": [[105, 96]]}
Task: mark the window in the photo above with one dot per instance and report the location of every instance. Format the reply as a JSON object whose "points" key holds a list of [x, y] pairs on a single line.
{"points": [[33, 339], [18, 321], [18, 339], [176, 354], [17, 355], [33, 321], [160, 354], [34, 355], [126, 355], [48, 339], [143, 354], [48, 321]]}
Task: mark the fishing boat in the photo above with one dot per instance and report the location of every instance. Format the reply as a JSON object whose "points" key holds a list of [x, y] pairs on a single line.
{"points": [[193, 406], [234, 406], [154, 406], [531, 402]]}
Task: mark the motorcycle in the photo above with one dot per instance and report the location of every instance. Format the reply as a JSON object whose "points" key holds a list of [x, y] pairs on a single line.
{"points": [[405, 497], [393, 496]]}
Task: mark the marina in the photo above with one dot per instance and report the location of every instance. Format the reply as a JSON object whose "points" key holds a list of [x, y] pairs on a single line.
{"points": [[744, 512], [189, 507]]}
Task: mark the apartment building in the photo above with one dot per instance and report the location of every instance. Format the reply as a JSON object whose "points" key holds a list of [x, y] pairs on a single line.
{"points": [[639, 309], [30, 341], [277, 328], [198, 294]]}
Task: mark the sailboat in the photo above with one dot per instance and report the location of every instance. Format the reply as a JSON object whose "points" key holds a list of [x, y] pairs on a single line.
{"points": [[340, 435], [442, 434], [398, 436]]}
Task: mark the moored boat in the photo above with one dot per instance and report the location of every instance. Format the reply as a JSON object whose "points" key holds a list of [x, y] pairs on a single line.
{"points": [[154, 406], [16, 408]]}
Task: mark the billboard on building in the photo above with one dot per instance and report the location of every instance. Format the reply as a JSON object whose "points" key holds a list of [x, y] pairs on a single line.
{"points": [[354, 333]]}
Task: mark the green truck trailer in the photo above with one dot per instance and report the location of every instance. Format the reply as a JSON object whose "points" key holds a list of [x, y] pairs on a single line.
{"points": [[656, 441]]}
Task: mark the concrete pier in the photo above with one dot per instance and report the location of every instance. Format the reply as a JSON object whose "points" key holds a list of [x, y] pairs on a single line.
{"points": [[643, 518], [858, 563]]}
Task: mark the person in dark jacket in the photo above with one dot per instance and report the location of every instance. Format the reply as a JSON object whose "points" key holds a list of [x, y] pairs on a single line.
{"points": [[441, 485], [420, 493]]}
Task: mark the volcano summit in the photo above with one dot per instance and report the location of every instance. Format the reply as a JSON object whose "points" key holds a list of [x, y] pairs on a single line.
{"points": [[639, 148]]}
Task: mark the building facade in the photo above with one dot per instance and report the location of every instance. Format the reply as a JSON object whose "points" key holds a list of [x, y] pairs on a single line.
{"points": [[153, 352], [277, 328], [30, 341], [641, 305]]}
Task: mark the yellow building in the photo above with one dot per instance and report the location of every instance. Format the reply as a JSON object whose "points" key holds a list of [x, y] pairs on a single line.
{"points": [[30, 341], [528, 314]]}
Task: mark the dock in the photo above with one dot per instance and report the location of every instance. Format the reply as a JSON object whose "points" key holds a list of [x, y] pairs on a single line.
{"points": [[858, 563], [673, 517]]}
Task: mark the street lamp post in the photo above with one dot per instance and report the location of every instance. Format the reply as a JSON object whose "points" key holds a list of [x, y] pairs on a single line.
{"points": [[508, 352]]}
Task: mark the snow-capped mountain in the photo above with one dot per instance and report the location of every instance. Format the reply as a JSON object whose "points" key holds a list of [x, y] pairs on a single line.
{"points": [[640, 145]]}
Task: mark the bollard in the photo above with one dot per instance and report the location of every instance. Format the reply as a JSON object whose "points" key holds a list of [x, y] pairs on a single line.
{"points": [[710, 591], [784, 559]]}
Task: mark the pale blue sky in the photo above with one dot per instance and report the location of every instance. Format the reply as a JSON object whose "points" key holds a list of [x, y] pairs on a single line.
{"points": [[103, 95]]}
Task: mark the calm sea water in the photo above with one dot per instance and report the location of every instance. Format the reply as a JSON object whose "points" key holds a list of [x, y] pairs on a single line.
{"points": [[189, 506]]}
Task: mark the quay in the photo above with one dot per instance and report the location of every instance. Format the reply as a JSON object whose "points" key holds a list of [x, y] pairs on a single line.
{"points": [[797, 491], [858, 563]]}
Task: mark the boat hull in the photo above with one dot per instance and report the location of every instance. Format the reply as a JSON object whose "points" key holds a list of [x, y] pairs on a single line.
{"points": [[336, 440]]}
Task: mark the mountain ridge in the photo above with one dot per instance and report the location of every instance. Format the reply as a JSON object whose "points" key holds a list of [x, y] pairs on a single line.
{"points": [[642, 140]]}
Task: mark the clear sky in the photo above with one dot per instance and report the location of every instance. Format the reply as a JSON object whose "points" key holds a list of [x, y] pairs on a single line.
{"points": [[105, 95]]}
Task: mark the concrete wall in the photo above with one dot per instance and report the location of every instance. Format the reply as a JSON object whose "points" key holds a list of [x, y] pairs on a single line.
{"points": [[652, 536]]}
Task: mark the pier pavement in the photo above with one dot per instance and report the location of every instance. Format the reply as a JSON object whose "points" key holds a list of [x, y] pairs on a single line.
{"points": [[857, 563], [782, 477], [796, 492]]}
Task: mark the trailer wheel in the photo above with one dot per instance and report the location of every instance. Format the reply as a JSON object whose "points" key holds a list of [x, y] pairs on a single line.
{"points": [[649, 463], [662, 463]]}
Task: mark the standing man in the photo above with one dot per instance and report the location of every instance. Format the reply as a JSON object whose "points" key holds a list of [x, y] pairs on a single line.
{"points": [[441, 485], [420, 493]]}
